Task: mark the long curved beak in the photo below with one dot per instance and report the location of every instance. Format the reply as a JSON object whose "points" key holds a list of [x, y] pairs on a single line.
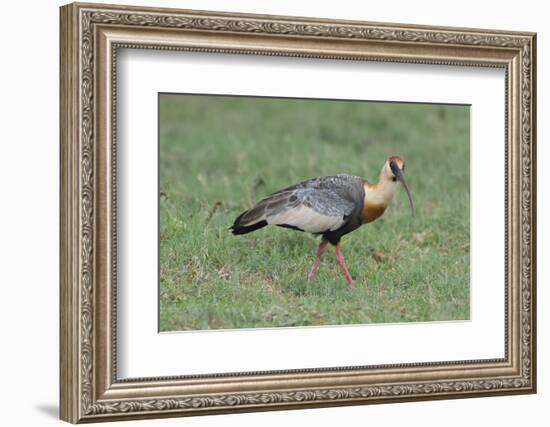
{"points": [[401, 178]]}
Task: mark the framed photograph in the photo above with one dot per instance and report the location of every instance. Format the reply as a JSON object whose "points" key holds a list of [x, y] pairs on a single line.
{"points": [[266, 212]]}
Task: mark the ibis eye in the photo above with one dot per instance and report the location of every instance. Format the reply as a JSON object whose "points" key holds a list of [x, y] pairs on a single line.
{"points": [[394, 168]]}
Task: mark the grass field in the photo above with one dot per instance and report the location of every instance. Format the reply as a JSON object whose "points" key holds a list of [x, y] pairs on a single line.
{"points": [[219, 155]]}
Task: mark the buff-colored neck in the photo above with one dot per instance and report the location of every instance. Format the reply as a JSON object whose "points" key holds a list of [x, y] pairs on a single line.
{"points": [[377, 196], [382, 191]]}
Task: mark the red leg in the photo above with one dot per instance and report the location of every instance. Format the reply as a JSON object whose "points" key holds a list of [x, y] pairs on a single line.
{"points": [[342, 263], [317, 262]]}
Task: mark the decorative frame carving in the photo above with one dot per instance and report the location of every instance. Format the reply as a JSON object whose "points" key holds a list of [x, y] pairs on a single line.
{"points": [[90, 36]]}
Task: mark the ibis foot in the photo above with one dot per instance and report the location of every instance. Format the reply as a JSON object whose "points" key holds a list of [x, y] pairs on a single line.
{"points": [[317, 262]]}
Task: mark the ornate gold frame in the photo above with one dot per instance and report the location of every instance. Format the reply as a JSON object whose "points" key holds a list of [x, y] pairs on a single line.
{"points": [[90, 36]]}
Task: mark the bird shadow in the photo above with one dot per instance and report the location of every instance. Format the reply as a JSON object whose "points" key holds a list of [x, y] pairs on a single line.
{"points": [[48, 409]]}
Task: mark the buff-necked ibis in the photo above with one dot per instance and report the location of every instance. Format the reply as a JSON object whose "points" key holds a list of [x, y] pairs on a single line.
{"points": [[330, 206]]}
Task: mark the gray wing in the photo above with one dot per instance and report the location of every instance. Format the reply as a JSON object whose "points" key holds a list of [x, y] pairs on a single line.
{"points": [[316, 206]]}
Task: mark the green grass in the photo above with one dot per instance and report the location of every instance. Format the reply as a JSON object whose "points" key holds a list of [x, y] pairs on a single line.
{"points": [[218, 155]]}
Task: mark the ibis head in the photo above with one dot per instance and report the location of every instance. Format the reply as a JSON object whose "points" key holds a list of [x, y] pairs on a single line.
{"points": [[380, 194], [397, 169]]}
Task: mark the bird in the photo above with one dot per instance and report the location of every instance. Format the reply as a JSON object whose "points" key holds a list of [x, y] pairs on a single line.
{"points": [[328, 206]]}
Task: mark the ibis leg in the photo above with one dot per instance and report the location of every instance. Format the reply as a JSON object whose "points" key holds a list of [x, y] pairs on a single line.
{"points": [[317, 262], [342, 263]]}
